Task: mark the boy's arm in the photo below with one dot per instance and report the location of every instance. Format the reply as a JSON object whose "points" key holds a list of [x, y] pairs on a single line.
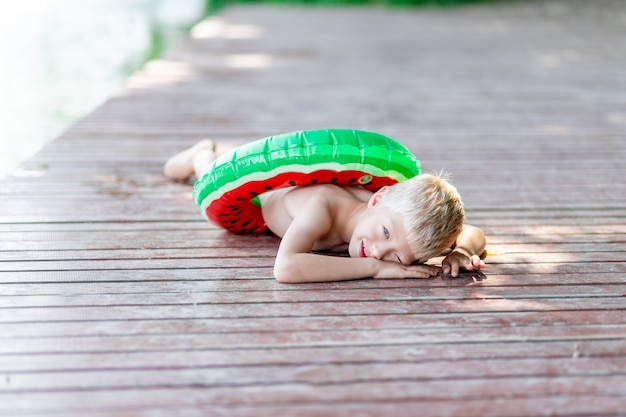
{"points": [[470, 244], [295, 262]]}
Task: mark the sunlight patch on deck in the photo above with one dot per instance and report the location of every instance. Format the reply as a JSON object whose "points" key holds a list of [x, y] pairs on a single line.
{"points": [[218, 28], [246, 61], [161, 72]]}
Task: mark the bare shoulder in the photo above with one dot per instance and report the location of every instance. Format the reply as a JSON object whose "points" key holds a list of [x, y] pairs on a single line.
{"points": [[359, 193]]}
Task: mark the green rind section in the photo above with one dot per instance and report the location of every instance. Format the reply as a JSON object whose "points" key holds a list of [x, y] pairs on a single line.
{"points": [[308, 151]]}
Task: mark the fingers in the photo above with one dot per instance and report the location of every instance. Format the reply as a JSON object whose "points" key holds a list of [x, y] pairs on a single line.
{"points": [[396, 270], [475, 263], [420, 271], [411, 273], [453, 264], [427, 270]]}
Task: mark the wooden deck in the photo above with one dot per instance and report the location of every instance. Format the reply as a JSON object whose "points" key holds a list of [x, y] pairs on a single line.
{"points": [[117, 299]]}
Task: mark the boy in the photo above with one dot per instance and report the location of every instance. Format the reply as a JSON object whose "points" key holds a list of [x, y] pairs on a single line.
{"points": [[389, 233]]}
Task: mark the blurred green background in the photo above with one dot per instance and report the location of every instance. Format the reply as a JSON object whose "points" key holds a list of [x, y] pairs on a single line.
{"points": [[59, 59]]}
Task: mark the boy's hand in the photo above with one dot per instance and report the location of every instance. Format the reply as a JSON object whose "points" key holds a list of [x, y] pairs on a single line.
{"points": [[456, 260], [391, 270]]}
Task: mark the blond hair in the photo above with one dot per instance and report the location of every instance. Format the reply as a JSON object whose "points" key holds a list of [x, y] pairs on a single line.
{"points": [[431, 210]]}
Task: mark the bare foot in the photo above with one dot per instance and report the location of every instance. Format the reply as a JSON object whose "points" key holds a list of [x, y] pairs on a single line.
{"points": [[181, 166]]}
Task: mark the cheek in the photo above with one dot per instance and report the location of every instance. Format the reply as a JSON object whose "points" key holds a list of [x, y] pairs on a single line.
{"points": [[354, 246]]}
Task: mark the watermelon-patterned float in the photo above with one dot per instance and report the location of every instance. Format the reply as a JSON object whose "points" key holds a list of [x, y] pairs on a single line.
{"points": [[226, 194]]}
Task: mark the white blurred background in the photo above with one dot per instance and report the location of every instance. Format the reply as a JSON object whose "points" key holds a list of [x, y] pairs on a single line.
{"points": [[61, 58]]}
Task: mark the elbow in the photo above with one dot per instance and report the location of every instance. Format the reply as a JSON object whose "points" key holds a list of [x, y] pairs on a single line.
{"points": [[285, 273], [282, 277]]}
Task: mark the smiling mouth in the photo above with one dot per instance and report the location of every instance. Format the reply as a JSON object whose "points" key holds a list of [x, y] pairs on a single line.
{"points": [[362, 253]]}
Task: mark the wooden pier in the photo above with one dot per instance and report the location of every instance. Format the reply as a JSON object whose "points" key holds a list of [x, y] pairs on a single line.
{"points": [[117, 299]]}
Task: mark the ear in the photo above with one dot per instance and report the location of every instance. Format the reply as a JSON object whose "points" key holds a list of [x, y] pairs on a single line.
{"points": [[377, 196]]}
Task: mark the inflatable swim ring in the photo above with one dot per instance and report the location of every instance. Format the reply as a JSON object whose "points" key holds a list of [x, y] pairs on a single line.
{"points": [[227, 194]]}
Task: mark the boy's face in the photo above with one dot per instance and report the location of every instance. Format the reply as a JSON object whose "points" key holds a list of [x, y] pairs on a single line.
{"points": [[380, 234]]}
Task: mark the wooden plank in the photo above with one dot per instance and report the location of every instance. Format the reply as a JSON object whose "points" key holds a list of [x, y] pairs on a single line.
{"points": [[357, 354], [198, 297], [283, 308], [80, 328], [321, 374], [510, 397]]}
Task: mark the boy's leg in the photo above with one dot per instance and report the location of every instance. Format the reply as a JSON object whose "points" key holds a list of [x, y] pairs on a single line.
{"points": [[183, 165]]}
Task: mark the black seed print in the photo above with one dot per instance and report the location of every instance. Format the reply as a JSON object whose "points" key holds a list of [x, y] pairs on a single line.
{"points": [[244, 224], [313, 181], [292, 183], [351, 180], [240, 199], [333, 180], [267, 187]]}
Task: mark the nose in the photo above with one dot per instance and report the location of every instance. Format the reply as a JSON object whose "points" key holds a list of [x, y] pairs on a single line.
{"points": [[379, 252], [375, 251]]}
